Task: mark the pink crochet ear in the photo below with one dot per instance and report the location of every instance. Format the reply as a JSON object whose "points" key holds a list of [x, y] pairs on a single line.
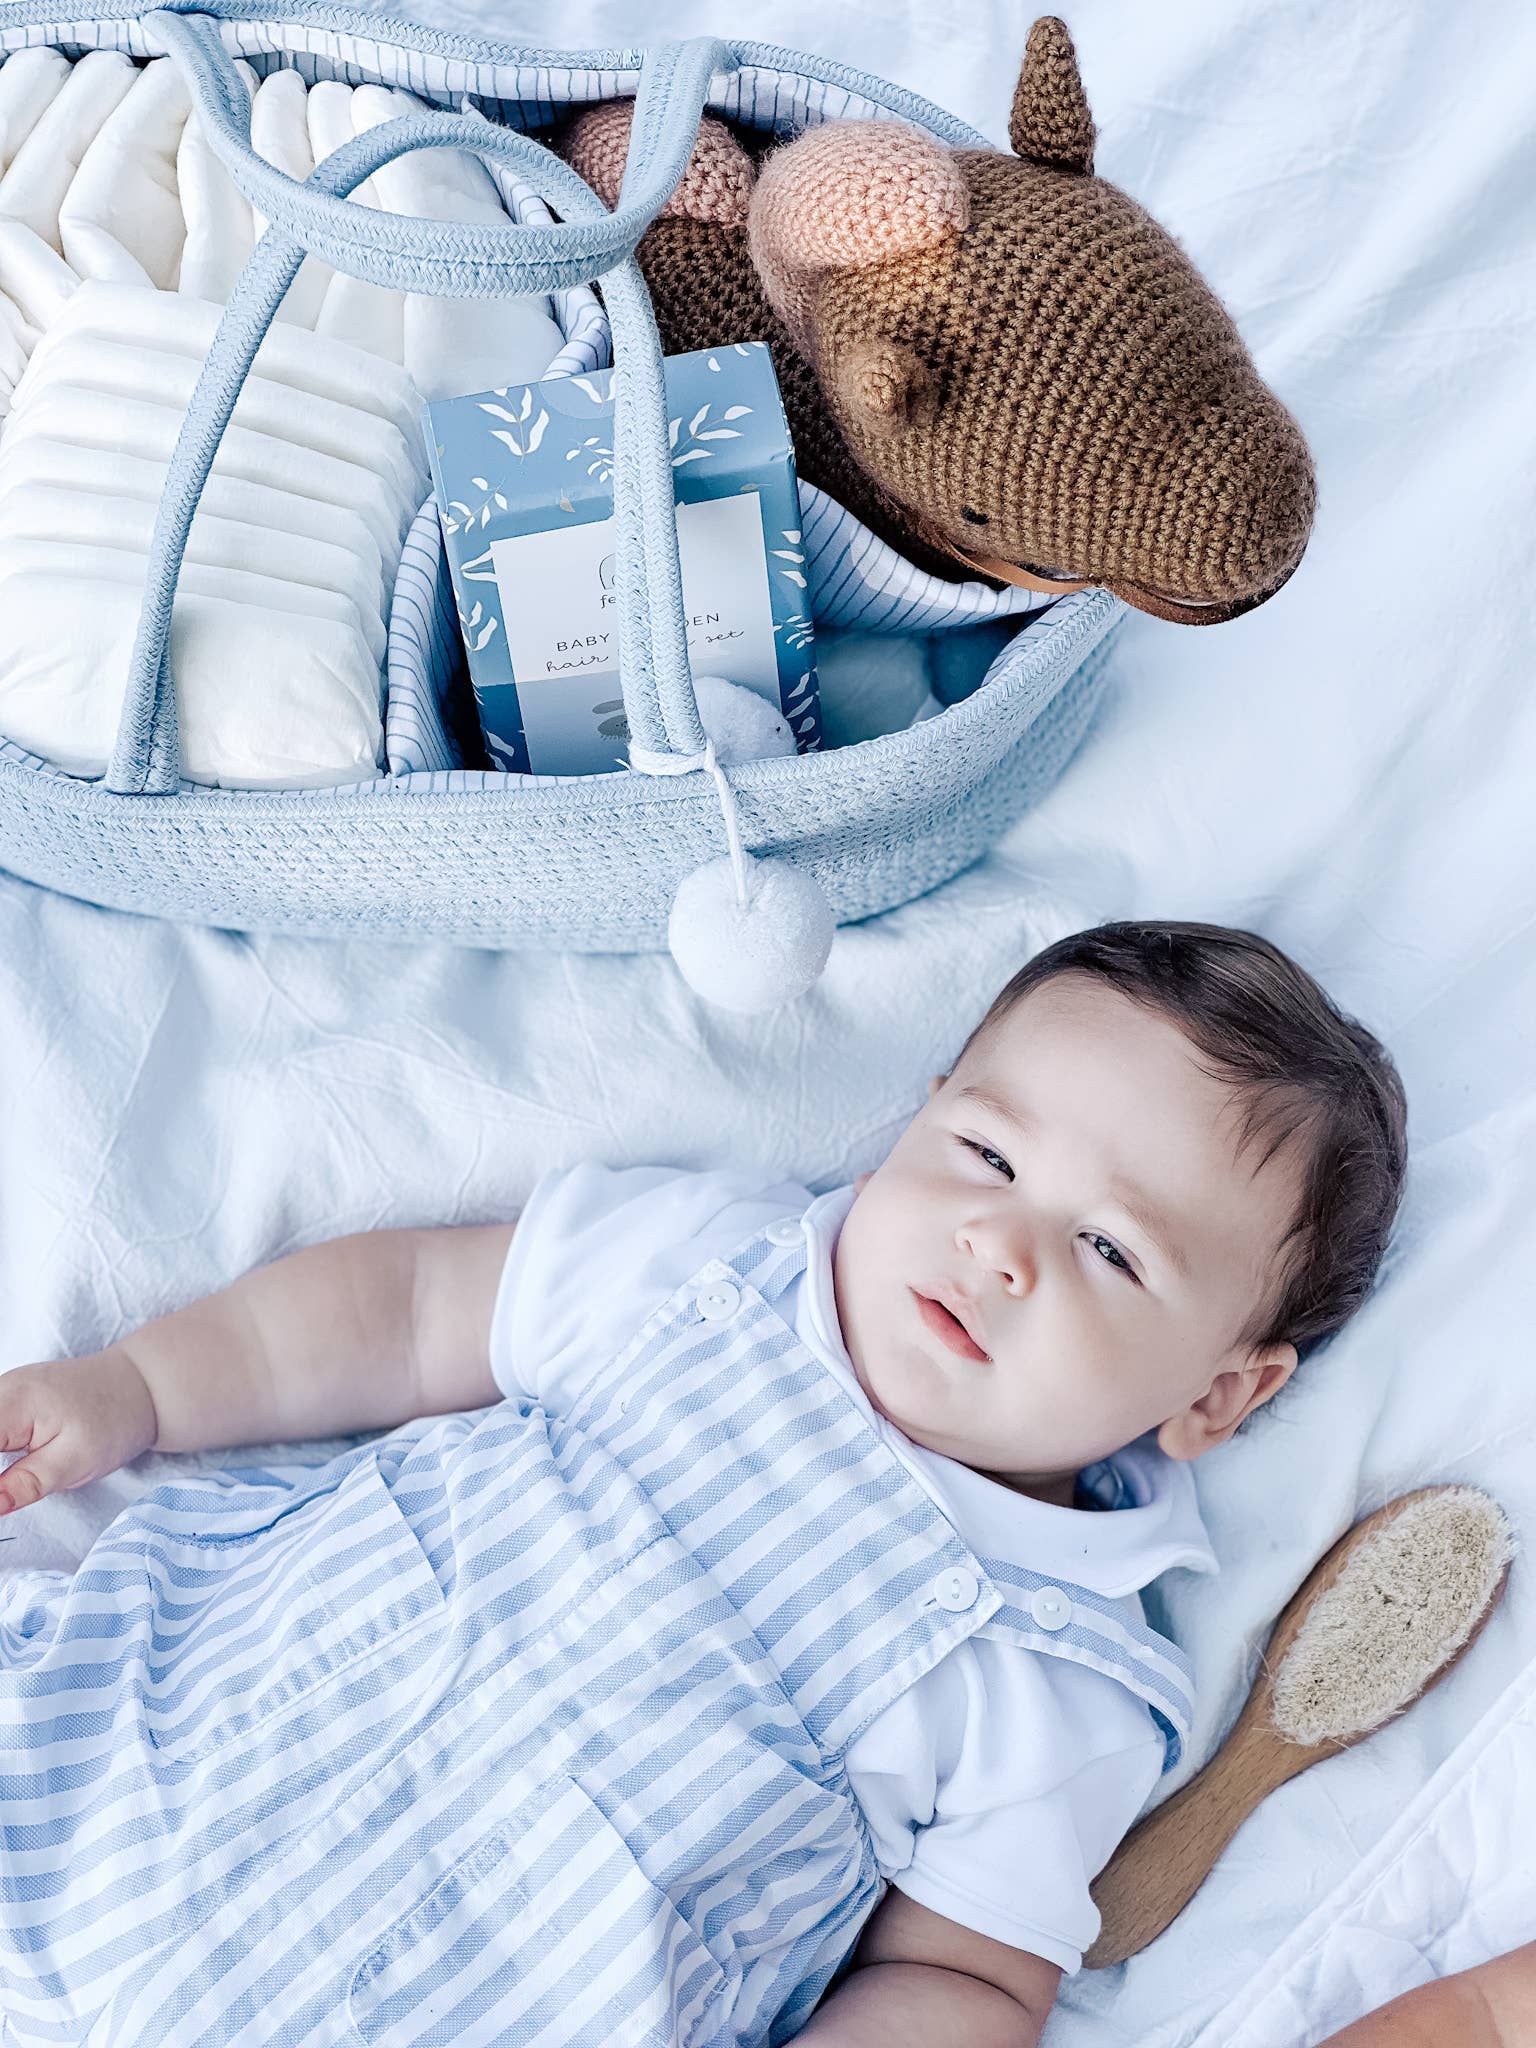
{"points": [[847, 195], [716, 187]]}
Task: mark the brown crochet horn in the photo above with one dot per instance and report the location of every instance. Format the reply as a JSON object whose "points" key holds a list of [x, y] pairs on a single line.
{"points": [[1050, 122]]}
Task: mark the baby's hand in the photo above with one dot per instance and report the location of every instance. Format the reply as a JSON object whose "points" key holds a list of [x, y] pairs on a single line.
{"points": [[76, 1419]]}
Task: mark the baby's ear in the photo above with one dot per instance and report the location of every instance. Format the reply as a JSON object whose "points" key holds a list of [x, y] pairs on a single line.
{"points": [[847, 195], [1230, 1399]]}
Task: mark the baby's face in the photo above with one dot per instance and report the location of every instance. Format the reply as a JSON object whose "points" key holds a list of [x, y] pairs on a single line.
{"points": [[1065, 1246]]}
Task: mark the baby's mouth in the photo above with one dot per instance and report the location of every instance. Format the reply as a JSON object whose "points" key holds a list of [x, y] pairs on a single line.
{"points": [[948, 1328]]}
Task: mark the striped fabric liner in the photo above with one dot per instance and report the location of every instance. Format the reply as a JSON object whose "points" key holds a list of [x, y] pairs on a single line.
{"points": [[425, 657], [578, 310], [860, 581], [766, 90]]}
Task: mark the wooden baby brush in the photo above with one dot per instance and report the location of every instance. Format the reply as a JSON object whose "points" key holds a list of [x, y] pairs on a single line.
{"points": [[1397, 1601]]}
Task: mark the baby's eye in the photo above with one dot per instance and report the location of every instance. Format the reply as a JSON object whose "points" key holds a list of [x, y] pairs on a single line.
{"points": [[1110, 1253], [988, 1157]]}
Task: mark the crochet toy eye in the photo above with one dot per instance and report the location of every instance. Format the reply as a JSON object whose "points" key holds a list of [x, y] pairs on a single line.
{"points": [[976, 518]]}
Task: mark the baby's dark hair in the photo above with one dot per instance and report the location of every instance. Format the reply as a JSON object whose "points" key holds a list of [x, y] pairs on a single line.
{"points": [[1300, 1068]]}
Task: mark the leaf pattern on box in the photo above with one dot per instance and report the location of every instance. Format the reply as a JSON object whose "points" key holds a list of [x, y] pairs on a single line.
{"points": [[523, 432], [794, 555], [481, 570], [599, 461], [478, 627], [689, 448], [503, 755]]}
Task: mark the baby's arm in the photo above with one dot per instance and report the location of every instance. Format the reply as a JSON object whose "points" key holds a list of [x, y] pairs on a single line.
{"points": [[922, 1981], [1492, 2006], [359, 1333]]}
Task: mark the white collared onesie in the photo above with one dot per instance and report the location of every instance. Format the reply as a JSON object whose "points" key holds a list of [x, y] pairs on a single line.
{"points": [[998, 1786]]}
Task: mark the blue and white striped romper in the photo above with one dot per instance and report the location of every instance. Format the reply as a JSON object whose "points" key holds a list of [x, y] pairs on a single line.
{"points": [[507, 1728]]}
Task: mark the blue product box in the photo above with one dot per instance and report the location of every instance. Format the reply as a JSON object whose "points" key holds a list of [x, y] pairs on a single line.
{"points": [[524, 481]]}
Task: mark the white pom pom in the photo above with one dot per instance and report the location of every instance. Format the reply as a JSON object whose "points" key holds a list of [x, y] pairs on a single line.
{"points": [[743, 725], [755, 956]]}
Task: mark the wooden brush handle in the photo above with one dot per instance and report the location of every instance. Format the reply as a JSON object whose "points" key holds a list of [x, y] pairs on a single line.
{"points": [[1162, 1863]]}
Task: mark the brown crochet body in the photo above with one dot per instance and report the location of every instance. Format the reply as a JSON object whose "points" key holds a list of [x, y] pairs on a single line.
{"points": [[1095, 402], [706, 294]]}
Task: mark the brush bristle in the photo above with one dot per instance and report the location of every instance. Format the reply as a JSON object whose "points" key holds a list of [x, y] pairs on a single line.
{"points": [[1403, 1606]]}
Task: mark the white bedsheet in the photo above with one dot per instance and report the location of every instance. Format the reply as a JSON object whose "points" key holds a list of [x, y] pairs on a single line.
{"points": [[1350, 771]]}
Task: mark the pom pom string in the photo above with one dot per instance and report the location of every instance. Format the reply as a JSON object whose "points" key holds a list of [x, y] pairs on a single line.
{"points": [[650, 763]]}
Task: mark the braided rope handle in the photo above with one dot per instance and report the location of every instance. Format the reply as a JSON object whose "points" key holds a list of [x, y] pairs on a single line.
{"points": [[443, 259]]}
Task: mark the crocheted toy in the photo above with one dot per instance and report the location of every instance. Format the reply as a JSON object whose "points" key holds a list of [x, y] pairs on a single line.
{"points": [[998, 362]]}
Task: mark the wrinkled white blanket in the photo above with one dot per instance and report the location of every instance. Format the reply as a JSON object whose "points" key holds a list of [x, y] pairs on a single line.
{"points": [[1349, 770]]}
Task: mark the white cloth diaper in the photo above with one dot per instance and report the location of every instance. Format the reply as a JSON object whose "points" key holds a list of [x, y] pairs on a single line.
{"points": [[169, 324], [121, 218], [43, 169], [367, 315], [82, 520], [33, 275], [17, 340], [265, 700], [113, 426], [263, 596], [456, 345], [38, 465], [220, 226], [280, 134], [29, 82], [309, 423], [278, 639]]}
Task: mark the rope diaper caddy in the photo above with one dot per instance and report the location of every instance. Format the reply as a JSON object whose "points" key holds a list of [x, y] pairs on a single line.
{"points": [[768, 856]]}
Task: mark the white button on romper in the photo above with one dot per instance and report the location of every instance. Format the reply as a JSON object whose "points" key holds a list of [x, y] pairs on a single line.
{"points": [[509, 1728]]}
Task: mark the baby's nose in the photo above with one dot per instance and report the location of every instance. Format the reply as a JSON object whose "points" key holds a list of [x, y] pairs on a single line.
{"points": [[1002, 1250]]}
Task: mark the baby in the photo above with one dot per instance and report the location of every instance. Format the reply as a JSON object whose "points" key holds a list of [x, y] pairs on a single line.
{"points": [[746, 1587]]}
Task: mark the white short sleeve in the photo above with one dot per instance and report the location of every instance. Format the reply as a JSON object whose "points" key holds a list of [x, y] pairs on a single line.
{"points": [[1032, 1769], [597, 1248]]}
